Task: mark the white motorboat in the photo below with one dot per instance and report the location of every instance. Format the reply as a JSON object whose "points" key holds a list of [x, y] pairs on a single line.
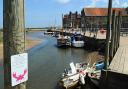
{"points": [[77, 44], [77, 40], [71, 78]]}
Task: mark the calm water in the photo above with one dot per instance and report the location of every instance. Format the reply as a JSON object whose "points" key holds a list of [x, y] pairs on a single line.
{"points": [[47, 62]]}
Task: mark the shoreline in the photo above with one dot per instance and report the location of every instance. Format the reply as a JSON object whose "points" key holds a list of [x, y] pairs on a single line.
{"points": [[29, 44]]}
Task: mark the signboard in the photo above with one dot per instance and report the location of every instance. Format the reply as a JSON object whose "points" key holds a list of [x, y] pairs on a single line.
{"points": [[19, 69]]}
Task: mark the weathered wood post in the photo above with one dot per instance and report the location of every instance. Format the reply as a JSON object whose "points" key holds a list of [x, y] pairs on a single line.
{"points": [[116, 25], [97, 28], [112, 36], [85, 26], [108, 34], [119, 27], [13, 37]]}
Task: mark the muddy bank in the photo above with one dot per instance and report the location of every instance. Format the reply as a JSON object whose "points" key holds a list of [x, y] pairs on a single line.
{"points": [[29, 44], [94, 57]]}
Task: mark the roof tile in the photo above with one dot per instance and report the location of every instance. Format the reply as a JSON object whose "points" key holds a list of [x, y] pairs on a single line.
{"points": [[99, 11]]}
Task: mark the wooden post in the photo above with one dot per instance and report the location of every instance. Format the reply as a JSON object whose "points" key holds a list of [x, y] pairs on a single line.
{"points": [[85, 25], [13, 37], [116, 25], [119, 26], [108, 34], [112, 36], [97, 28]]}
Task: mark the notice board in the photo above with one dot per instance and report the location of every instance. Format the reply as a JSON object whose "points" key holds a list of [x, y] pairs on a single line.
{"points": [[19, 68]]}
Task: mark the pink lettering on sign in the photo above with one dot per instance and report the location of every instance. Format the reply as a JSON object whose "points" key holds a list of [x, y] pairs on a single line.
{"points": [[21, 76]]}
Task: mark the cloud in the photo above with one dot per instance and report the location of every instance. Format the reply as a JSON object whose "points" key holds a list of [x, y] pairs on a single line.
{"points": [[118, 3], [94, 2], [125, 4], [63, 1]]}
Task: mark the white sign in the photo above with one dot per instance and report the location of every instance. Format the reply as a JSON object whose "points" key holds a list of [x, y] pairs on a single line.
{"points": [[19, 68]]}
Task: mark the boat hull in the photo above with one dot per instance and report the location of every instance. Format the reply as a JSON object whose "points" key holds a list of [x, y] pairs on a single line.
{"points": [[69, 82], [63, 42], [71, 86], [78, 44]]}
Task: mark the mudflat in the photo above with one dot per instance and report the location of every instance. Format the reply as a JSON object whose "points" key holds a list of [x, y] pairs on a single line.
{"points": [[29, 44]]}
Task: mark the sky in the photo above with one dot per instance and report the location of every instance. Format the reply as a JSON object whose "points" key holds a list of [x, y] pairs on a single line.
{"points": [[44, 13]]}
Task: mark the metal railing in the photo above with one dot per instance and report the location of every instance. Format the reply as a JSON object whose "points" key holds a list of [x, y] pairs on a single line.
{"points": [[124, 32]]}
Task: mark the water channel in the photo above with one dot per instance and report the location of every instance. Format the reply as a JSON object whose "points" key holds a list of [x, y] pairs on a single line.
{"points": [[47, 62]]}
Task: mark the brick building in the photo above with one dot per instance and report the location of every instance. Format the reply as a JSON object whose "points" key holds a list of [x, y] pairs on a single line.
{"points": [[71, 20], [96, 18]]}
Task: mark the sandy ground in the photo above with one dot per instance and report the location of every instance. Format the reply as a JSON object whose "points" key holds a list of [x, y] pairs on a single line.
{"points": [[1, 51], [29, 45], [124, 41], [32, 43]]}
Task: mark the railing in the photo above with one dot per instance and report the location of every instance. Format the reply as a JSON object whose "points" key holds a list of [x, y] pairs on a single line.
{"points": [[124, 32]]}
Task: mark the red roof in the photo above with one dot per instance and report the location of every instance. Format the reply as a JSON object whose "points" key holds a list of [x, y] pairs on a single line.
{"points": [[99, 11]]}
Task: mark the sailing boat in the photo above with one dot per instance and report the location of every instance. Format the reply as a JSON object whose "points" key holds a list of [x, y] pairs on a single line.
{"points": [[63, 41]]}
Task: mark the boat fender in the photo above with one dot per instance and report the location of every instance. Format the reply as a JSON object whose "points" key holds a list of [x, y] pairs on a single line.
{"points": [[100, 66]]}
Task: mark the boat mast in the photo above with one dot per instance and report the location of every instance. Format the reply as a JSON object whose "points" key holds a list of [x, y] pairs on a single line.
{"points": [[62, 28]]}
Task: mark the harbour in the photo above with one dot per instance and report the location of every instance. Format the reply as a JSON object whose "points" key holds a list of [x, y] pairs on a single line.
{"points": [[85, 49], [47, 61], [53, 68], [44, 67]]}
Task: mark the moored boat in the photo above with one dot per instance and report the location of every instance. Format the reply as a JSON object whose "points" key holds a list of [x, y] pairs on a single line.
{"points": [[77, 40], [72, 78], [63, 41], [69, 81], [81, 74]]}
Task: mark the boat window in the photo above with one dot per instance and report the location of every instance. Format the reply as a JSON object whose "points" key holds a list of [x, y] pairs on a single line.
{"points": [[78, 38]]}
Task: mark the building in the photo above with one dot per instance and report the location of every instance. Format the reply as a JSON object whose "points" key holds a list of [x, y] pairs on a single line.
{"points": [[71, 20], [96, 18]]}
